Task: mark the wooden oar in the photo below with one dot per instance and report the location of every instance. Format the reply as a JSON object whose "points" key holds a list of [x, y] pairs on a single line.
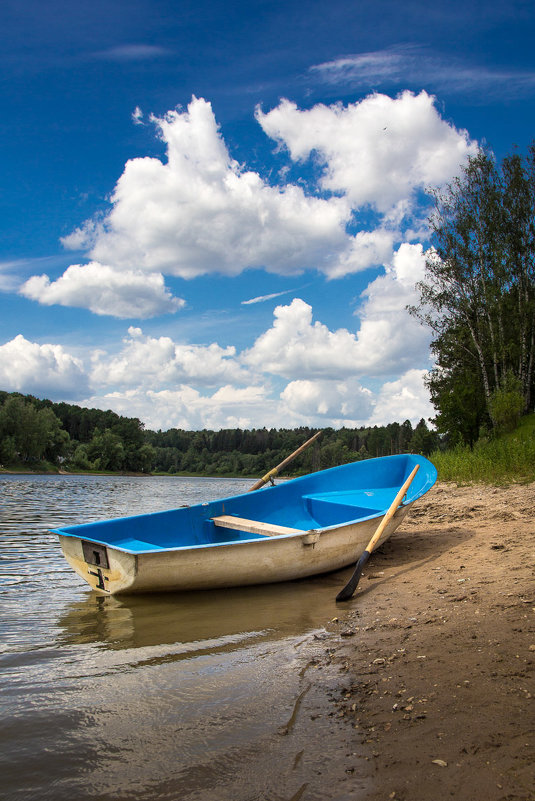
{"points": [[282, 465], [351, 585]]}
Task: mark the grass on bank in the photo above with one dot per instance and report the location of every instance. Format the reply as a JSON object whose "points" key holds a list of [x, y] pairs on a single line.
{"points": [[499, 460], [42, 467]]}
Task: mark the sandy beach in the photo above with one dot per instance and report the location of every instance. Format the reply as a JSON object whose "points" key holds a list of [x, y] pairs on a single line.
{"points": [[436, 654]]}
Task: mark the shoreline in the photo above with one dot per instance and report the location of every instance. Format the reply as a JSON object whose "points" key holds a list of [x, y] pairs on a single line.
{"points": [[436, 654], [14, 472], [59, 472]]}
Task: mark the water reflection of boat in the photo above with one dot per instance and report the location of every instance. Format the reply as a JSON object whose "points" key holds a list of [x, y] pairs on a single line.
{"points": [[224, 620], [311, 525]]}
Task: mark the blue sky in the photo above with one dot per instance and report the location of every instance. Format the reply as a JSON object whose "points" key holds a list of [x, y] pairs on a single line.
{"points": [[214, 214]]}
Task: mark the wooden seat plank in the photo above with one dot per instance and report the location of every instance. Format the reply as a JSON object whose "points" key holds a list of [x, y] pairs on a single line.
{"points": [[253, 526]]}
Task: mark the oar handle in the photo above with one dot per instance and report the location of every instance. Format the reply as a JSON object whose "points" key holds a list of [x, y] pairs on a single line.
{"points": [[272, 473]]}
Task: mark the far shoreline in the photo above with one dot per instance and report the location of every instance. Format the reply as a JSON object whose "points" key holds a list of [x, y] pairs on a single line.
{"points": [[13, 471]]}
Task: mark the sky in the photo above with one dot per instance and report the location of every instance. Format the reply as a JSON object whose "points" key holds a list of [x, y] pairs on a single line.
{"points": [[214, 214]]}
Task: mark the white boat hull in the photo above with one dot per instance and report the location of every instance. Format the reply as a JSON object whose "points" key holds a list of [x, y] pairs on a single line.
{"points": [[264, 561]]}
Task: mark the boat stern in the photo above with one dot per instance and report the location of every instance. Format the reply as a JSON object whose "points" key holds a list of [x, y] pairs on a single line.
{"points": [[106, 570]]}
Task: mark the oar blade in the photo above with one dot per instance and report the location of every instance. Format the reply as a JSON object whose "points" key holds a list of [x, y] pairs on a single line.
{"points": [[351, 586]]}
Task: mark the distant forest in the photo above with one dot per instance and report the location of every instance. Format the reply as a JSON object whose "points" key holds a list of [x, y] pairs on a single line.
{"points": [[34, 431]]}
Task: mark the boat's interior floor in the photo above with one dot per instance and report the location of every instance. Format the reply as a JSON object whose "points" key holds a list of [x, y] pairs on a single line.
{"points": [[253, 520]]}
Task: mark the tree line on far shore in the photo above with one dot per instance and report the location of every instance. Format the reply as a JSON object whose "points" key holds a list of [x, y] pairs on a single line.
{"points": [[35, 431]]}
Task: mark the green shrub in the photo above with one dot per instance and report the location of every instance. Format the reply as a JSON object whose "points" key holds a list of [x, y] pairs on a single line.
{"points": [[501, 459], [507, 404]]}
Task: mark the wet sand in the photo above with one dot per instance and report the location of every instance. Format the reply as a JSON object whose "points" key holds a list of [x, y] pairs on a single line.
{"points": [[435, 657]]}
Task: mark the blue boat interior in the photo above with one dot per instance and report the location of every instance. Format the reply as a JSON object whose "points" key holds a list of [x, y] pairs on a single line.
{"points": [[320, 500]]}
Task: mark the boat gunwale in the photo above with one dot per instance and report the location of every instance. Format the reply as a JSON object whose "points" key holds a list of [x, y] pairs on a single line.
{"points": [[228, 543]]}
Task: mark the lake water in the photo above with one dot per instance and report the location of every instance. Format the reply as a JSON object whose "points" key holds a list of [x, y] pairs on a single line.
{"points": [[178, 696]]}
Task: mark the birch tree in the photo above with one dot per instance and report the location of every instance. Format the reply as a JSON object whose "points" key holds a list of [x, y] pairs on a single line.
{"points": [[478, 294]]}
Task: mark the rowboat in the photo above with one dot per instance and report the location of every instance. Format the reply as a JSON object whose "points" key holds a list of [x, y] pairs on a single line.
{"points": [[309, 525]]}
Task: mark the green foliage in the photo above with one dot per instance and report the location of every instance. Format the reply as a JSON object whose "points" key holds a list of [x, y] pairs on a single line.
{"points": [[106, 451], [506, 404], [423, 440], [28, 434], [145, 458], [88, 439], [107, 442], [478, 296], [8, 449], [500, 459], [254, 452], [80, 459], [457, 391]]}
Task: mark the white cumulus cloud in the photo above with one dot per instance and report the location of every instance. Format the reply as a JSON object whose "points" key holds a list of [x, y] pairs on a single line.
{"points": [[330, 403], [185, 407], [388, 341], [297, 370], [146, 361], [377, 151], [105, 291], [44, 370], [406, 398], [295, 347], [201, 212]]}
